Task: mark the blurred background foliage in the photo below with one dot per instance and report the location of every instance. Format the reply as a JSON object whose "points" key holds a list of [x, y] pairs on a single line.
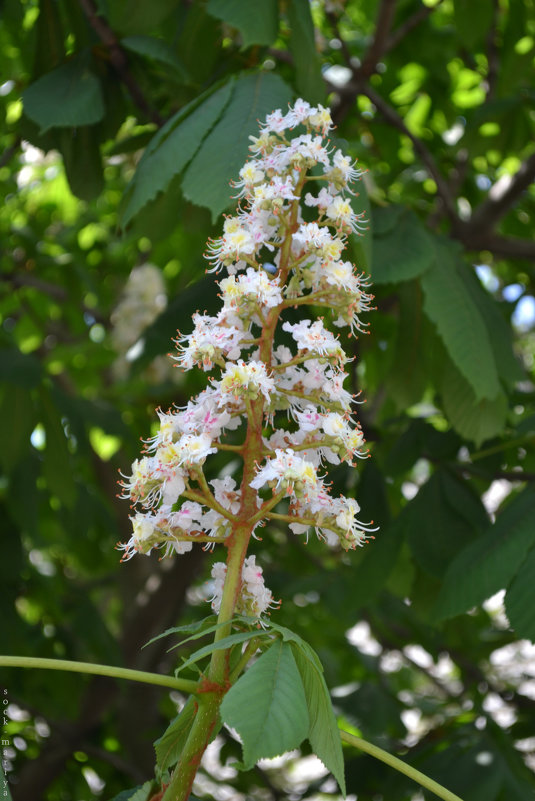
{"points": [[124, 122]]}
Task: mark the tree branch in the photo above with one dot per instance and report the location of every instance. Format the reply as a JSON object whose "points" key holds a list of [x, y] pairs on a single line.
{"points": [[501, 197], [9, 152], [412, 22], [493, 60], [505, 247], [119, 60], [379, 44], [391, 116]]}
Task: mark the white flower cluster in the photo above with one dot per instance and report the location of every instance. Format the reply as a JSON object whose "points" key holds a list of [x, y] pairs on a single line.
{"points": [[255, 598], [276, 259]]}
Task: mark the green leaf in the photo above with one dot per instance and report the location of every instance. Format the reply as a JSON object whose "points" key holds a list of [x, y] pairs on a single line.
{"points": [[17, 421], [323, 732], [476, 420], [133, 17], [143, 792], [19, 368], [197, 626], [489, 563], [407, 377], [520, 599], [302, 45], [225, 149], [403, 251], [56, 456], [291, 637], [507, 364], [444, 515], [158, 49], [472, 21], [257, 22], [169, 746], [267, 706], [68, 96], [50, 38], [220, 645], [172, 148], [460, 325], [80, 149]]}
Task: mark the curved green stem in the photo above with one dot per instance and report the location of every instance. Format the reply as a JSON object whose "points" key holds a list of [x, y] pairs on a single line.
{"points": [[185, 685], [399, 765]]}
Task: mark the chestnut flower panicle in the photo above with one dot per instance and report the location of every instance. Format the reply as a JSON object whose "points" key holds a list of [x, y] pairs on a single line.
{"points": [[283, 410]]}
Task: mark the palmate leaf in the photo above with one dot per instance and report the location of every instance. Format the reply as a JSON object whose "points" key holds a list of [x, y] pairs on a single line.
{"points": [[267, 706], [220, 645], [257, 22], [226, 147], [520, 599], [68, 96], [459, 323], [158, 49], [476, 420], [172, 148], [445, 515], [508, 365], [199, 628], [208, 140], [489, 563], [302, 45], [401, 251], [323, 733]]}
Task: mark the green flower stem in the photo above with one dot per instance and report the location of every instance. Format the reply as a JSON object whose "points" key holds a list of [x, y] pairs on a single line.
{"points": [[204, 724], [184, 685], [251, 649], [399, 765]]}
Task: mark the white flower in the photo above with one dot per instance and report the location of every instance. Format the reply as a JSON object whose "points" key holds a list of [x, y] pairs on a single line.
{"points": [[309, 419], [246, 380], [143, 485], [341, 213], [314, 337], [321, 118], [254, 598], [253, 287], [289, 472], [251, 174], [310, 235], [322, 201], [340, 274], [191, 449], [344, 169], [236, 241], [210, 341], [202, 415], [353, 531]]}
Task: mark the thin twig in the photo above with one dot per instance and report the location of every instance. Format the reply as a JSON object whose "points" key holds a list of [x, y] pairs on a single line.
{"points": [[118, 59], [412, 22], [493, 60], [391, 116], [378, 45], [498, 201], [9, 152]]}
